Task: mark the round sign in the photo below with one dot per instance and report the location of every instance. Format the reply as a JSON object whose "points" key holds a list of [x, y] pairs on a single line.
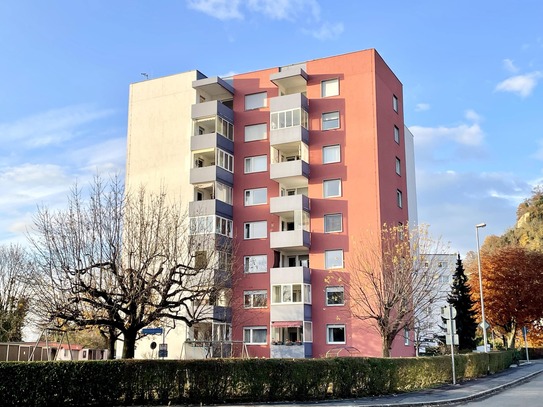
{"points": [[153, 345]]}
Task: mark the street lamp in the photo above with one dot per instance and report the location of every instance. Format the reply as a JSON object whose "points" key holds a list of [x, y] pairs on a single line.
{"points": [[485, 341]]}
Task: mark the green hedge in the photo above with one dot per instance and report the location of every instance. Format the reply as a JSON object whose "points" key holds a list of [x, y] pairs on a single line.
{"points": [[129, 382]]}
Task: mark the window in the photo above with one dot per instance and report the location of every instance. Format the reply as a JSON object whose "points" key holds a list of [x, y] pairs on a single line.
{"points": [[330, 121], [255, 299], [331, 188], [200, 260], [255, 335], [398, 166], [256, 164], [255, 264], [406, 336], [289, 118], [223, 193], [257, 196], [225, 128], [291, 293], [256, 230], [395, 103], [331, 154], [330, 87], [335, 334], [225, 160], [256, 132], [333, 259], [333, 223], [335, 296], [396, 134], [210, 224], [255, 101], [399, 198]]}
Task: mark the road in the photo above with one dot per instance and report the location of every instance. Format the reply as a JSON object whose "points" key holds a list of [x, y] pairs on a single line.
{"points": [[525, 395]]}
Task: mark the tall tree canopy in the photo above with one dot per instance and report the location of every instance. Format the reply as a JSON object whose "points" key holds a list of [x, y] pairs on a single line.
{"points": [[460, 299]]}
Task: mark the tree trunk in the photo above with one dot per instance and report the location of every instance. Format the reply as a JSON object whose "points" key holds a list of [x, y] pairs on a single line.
{"points": [[386, 345], [111, 343], [129, 347]]}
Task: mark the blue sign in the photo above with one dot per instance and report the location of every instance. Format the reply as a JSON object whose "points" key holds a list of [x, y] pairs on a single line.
{"points": [[152, 331]]}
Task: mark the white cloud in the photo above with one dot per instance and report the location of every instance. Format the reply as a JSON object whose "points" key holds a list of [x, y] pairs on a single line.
{"points": [[509, 65], [285, 9], [523, 85], [472, 115], [468, 135], [421, 107], [327, 31], [51, 127], [220, 9]]}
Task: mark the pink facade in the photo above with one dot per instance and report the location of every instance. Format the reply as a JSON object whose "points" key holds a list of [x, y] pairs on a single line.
{"points": [[295, 307]]}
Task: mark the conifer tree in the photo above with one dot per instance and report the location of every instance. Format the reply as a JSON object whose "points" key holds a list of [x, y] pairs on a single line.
{"points": [[460, 298]]}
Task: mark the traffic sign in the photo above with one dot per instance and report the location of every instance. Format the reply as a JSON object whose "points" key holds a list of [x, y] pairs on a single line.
{"points": [[485, 326], [449, 341], [451, 326], [448, 312], [163, 350], [152, 331]]}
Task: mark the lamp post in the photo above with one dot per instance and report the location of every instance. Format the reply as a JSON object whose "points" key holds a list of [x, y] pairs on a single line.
{"points": [[485, 340]]}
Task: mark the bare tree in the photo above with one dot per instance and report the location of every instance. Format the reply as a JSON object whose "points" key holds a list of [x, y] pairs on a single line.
{"points": [[392, 281], [124, 262], [14, 263]]}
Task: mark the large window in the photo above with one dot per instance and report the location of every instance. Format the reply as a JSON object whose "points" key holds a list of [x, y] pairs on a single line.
{"points": [[291, 293], [255, 264], [330, 87], [223, 193], [331, 154], [257, 196], [335, 334], [333, 223], [255, 299], [256, 132], [255, 101], [330, 120], [255, 230], [256, 164], [335, 296], [210, 224], [255, 335], [331, 188], [225, 128], [289, 118], [333, 259], [225, 160]]}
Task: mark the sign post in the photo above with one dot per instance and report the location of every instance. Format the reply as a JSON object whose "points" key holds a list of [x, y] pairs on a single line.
{"points": [[449, 313], [524, 333]]}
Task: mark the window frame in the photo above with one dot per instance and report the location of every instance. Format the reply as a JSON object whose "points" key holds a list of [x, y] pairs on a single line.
{"points": [[328, 264], [251, 164], [334, 289], [329, 148], [251, 294], [398, 166], [330, 340], [247, 236], [326, 182], [330, 215], [399, 198], [247, 263], [261, 136], [251, 96], [395, 103], [249, 196], [323, 87], [323, 121], [251, 330]]}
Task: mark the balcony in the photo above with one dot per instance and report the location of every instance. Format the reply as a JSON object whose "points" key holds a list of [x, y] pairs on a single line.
{"points": [[210, 207], [289, 102], [212, 108], [290, 240], [214, 87], [289, 135], [290, 173], [294, 351], [290, 79], [210, 173], [211, 141], [287, 275], [280, 205]]}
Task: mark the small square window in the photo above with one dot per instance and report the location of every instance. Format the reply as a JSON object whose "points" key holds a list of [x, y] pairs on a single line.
{"points": [[333, 223], [335, 334], [396, 134], [331, 154], [330, 121], [330, 87], [255, 264], [255, 230], [255, 101], [398, 166], [256, 164], [395, 103], [335, 296], [255, 335], [333, 259], [257, 196], [399, 198], [331, 188]]}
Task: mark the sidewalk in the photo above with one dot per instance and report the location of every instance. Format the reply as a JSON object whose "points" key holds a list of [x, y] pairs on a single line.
{"points": [[444, 395]]}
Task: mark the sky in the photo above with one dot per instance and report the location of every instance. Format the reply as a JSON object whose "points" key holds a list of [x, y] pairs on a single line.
{"points": [[472, 75]]}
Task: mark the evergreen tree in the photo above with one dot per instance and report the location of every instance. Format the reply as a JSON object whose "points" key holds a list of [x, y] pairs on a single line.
{"points": [[460, 298]]}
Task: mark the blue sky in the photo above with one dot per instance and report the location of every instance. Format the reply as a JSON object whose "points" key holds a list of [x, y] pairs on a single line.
{"points": [[472, 73]]}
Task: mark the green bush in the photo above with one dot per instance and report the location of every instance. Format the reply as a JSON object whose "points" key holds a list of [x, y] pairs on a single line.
{"points": [[129, 382]]}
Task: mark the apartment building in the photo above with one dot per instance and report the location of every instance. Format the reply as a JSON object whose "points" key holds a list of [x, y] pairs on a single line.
{"points": [[290, 163]]}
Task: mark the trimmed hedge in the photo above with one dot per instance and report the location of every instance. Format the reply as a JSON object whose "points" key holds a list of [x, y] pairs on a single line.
{"points": [[129, 382]]}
